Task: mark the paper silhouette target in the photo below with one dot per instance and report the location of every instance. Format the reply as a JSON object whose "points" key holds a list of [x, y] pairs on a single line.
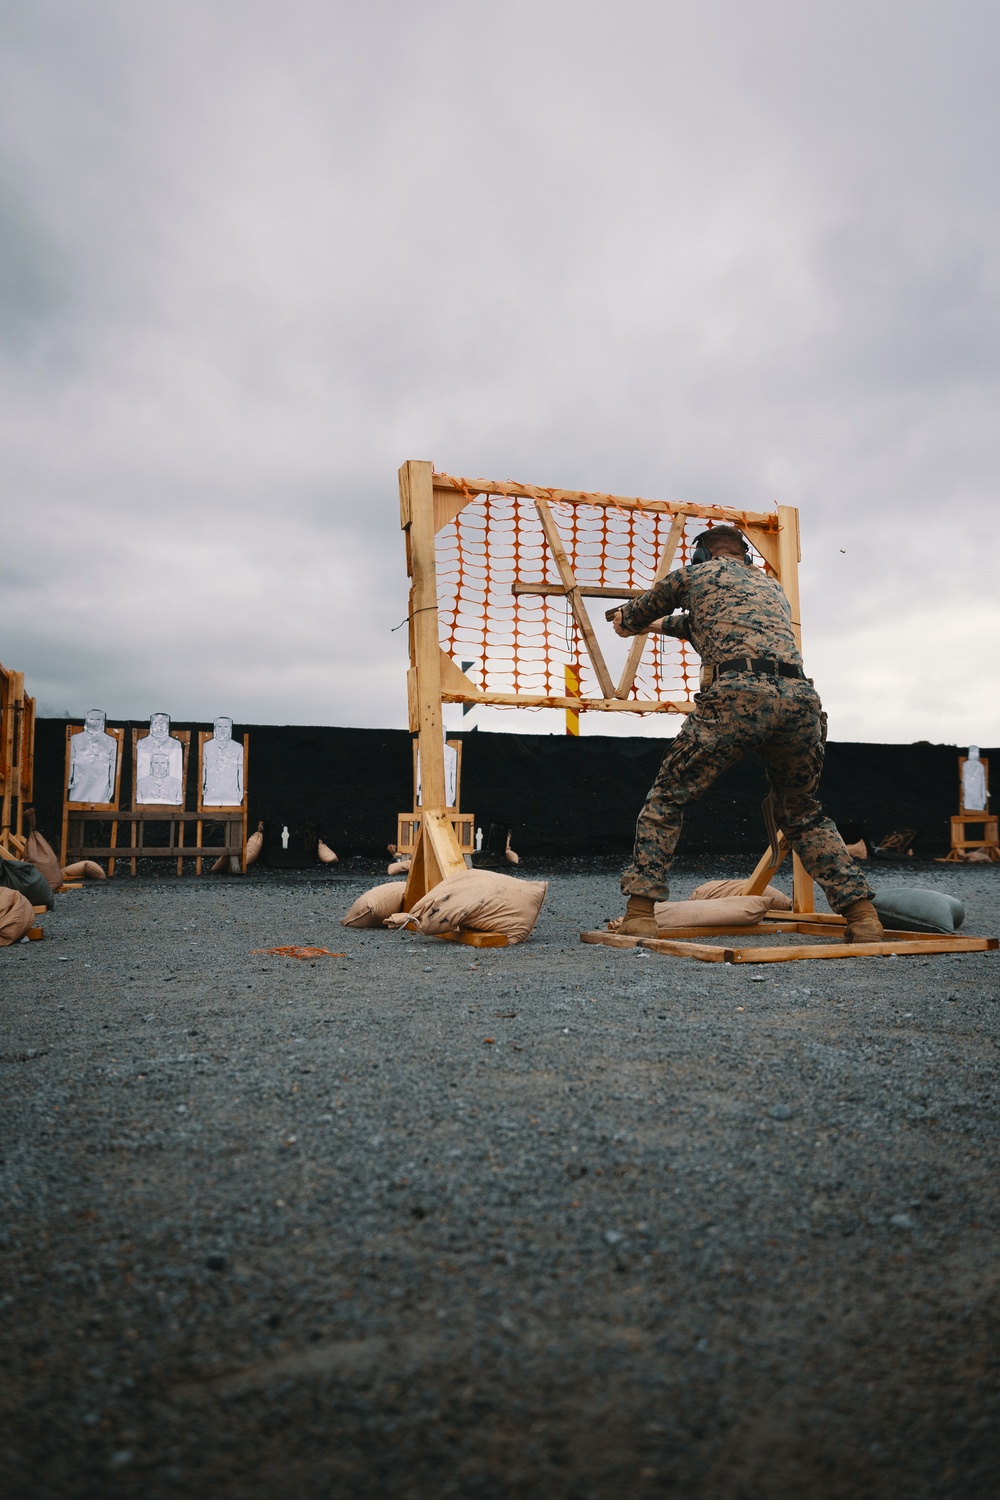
{"points": [[222, 767], [93, 762], [159, 765]]}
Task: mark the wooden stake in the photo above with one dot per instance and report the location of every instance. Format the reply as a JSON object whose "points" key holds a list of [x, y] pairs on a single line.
{"points": [[803, 890]]}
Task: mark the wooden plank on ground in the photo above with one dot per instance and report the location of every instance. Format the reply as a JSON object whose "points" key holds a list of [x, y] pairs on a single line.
{"points": [[609, 939], [476, 939], [783, 954]]}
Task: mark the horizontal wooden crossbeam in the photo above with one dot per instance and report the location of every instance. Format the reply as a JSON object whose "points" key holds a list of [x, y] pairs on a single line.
{"points": [[763, 520], [581, 588]]}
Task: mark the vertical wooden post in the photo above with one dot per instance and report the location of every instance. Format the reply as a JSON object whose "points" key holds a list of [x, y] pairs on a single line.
{"points": [[7, 750], [437, 852], [789, 557]]}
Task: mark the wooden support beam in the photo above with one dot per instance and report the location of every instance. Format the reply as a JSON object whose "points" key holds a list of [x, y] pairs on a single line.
{"points": [[727, 514], [559, 700], [789, 557], [803, 890], [576, 604], [587, 590], [417, 501], [764, 868]]}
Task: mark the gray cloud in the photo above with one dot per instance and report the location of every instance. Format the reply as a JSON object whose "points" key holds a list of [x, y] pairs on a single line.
{"points": [[256, 257]]}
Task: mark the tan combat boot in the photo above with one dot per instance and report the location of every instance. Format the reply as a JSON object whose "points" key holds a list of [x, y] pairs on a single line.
{"points": [[863, 925], [638, 920]]}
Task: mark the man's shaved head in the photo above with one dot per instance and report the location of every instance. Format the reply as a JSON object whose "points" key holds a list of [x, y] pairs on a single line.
{"points": [[724, 539]]}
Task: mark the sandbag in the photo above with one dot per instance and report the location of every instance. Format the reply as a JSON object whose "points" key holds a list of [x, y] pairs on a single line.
{"points": [[376, 906], [481, 901], [720, 911], [16, 916], [19, 875], [911, 908], [713, 889], [255, 844], [227, 864], [38, 852], [84, 869]]}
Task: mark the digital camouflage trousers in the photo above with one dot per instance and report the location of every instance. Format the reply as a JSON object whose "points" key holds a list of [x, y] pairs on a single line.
{"points": [[782, 719]]}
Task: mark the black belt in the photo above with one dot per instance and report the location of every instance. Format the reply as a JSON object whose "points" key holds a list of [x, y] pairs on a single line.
{"points": [[761, 666]]}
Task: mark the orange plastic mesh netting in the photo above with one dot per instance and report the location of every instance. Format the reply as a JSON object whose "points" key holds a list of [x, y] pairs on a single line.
{"points": [[521, 642]]}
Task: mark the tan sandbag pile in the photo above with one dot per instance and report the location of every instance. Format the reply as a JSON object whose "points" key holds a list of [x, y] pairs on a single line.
{"points": [[325, 854], [16, 915], [712, 890], [720, 911], [376, 906], [39, 852], [83, 869], [255, 844], [400, 866], [858, 850], [481, 901]]}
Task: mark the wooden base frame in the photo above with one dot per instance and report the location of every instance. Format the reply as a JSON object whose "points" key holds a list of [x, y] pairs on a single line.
{"points": [[233, 824], [901, 944]]}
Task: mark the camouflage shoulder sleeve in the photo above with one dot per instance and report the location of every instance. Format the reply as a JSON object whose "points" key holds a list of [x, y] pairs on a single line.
{"points": [[662, 599], [678, 626]]}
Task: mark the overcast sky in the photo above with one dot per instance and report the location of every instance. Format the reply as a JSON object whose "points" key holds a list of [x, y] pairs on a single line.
{"points": [[253, 255]]}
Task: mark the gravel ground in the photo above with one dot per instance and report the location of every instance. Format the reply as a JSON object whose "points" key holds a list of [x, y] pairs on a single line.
{"points": [[551, 1221]]}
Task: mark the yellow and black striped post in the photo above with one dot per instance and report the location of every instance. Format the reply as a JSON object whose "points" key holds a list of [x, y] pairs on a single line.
{"points": [[572, 691]]}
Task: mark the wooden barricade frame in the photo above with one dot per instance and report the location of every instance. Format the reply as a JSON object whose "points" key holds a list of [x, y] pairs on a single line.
{"points": [[17, 756], [429, 502]]}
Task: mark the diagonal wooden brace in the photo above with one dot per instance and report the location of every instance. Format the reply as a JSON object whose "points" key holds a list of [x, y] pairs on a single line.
{"points": [[639, 644], [576, 603]]}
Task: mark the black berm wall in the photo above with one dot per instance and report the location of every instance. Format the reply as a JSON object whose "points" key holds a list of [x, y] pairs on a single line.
{"points": [[560, 795]]}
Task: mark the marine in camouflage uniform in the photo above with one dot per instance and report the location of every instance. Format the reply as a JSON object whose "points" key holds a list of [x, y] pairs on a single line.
{"points": [[732, 610]]}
